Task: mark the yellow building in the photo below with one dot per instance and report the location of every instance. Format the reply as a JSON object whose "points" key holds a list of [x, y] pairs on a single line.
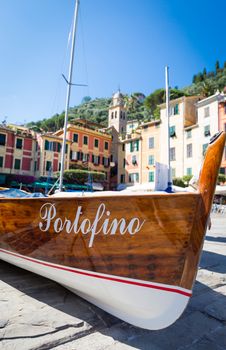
{"points": [[47, 160], [130, 165], [150, 150]]}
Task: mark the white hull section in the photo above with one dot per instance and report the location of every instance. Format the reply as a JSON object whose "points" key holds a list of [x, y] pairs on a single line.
{"points": [[141, 303]]}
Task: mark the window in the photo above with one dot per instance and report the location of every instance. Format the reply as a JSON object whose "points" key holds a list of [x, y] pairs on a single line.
{"points": [[85, 140], [106, 145], [151, 142], [204, 147], [134, 160], [48, 165], [17, 164], [122, 130], [1, 162], [189, 150], [35, 165], [2, 139], [151, 176], [206, 112], [189, 171], [48, 145], [120, 114], [222, 171], [55, 146], [175, 109], [124, 163], [173, 170], [151, 159], [74, 155], [123, 147], [124, 115], [134, 177], [188, 134], [96, 143], [112, 115], [172, 153], [58, 147], [207, 130], [134, 146], [122, 178], [19, 143], [75, 138], [96, 160], [172, 131], [85, 157], [105, 162], [115, 114]]}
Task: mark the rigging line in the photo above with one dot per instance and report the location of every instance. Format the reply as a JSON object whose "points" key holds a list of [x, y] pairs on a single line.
{"points": [[84, 51]]}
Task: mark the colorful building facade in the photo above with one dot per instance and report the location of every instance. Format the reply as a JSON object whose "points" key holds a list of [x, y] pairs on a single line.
{"points": [[17, 150], [90, 148], [47, 160], [182, 115]]}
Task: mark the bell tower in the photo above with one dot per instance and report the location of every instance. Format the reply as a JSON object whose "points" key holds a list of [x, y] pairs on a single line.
{"points": [[117, 114]]}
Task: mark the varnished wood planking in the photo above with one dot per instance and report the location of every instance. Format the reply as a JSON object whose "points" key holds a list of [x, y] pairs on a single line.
{"points": [[156, 253]]}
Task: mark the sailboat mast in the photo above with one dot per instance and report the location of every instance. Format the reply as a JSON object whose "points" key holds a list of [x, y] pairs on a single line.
{"points": [[169, 186], [68, 93]]}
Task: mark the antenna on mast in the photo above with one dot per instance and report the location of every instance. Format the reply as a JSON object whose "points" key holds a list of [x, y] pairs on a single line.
{"points": [[169, 186]]}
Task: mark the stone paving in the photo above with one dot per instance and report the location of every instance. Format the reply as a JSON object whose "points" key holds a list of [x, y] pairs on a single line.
{"points": [[38, 314]]}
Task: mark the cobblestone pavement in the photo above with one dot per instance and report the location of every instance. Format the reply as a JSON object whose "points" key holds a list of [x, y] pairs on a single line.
{"points": [[38, 314]]}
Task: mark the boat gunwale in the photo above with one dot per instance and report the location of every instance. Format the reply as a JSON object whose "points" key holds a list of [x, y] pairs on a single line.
{"points": [[107, 196]]}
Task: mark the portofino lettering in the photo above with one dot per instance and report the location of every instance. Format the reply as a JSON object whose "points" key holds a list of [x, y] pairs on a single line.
{"points": [[101, 223]]}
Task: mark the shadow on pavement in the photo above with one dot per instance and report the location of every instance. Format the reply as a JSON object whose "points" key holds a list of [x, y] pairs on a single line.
{"points": [[213, 262], [216, 239]]}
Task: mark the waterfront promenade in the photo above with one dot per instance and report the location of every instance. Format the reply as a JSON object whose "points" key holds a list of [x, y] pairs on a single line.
{"points": [[38, 314]]}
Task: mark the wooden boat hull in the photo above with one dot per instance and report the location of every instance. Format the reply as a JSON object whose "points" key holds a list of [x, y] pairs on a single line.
{"points": [[137, 277], [144, 304], [135, 256]]}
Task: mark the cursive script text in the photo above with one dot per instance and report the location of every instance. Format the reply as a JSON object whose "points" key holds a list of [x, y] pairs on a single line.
{"points": [[102, 222]]}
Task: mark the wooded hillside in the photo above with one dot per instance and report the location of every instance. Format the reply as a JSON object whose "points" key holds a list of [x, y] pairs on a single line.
{"points": [[139, 106]]}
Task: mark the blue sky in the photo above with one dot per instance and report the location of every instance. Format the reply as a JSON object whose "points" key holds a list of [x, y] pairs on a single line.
{"points": [[122, 43]]}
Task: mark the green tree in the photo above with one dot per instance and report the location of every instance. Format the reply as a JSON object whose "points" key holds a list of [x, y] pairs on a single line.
{"points": [[204, 73], [86, 99], [217, 66], [194, 79]]}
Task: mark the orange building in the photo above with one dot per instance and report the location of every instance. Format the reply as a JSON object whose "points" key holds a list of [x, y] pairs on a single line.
{"points": [[222, 127], [90, 147]]}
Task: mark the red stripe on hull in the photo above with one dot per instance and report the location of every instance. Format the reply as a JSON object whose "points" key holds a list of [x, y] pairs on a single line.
{"points": [[115, 279]]}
